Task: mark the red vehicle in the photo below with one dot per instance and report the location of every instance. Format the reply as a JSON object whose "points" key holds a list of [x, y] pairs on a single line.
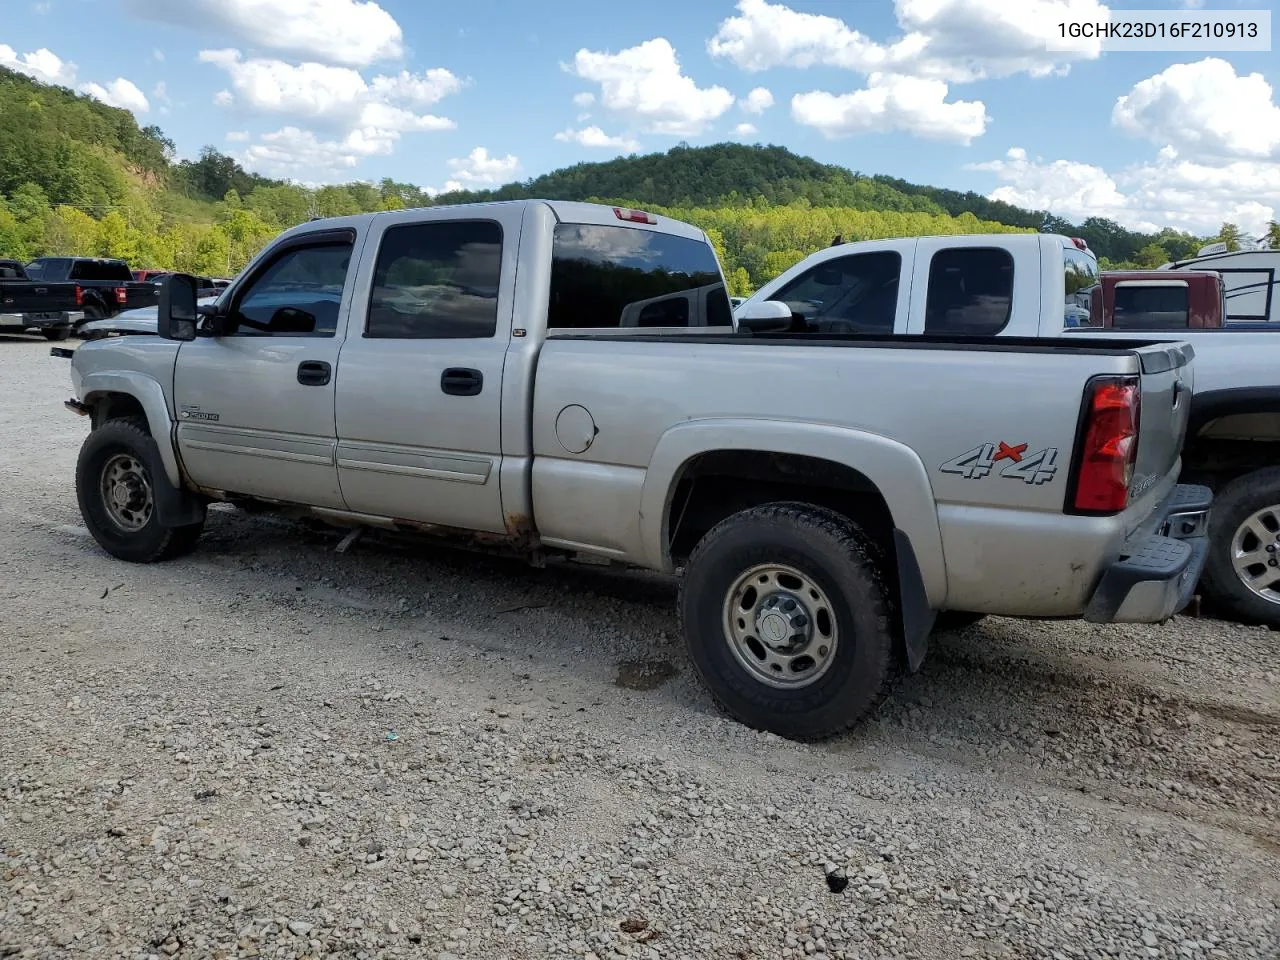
{"points": [[1157, 300], [150, 274]]}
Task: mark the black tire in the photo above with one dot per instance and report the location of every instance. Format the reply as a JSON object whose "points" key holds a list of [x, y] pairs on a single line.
{"points": [[56, 333], [1232, 506], [844, 564], [950, 620], [150, 542]]}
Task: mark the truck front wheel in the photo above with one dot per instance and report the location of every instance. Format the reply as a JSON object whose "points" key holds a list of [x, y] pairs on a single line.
{"points": [[1242, 572], [116, 477], [787, 619]]}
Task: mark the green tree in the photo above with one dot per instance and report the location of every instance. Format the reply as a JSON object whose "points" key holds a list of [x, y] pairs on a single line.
{"points": [[1229, 234], [1273, 235], [69, 232], [1151, 256], [114, 239]]}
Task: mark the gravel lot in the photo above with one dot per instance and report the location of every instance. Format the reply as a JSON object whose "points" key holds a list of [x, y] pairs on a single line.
{"points": [[272, 749]]}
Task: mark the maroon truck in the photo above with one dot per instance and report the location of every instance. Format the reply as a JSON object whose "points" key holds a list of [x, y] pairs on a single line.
{"points": [[1157, 300]]}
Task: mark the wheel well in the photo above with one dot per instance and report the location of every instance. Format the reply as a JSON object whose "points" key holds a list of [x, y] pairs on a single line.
{"points": [[1230, 446], [117, 406], [719, 483]]}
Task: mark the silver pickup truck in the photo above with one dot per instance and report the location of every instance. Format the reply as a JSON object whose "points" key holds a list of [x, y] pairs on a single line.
{"points": [[1038, 286], [566, 378]]}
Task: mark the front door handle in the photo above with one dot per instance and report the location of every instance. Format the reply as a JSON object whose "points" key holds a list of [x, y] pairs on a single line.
{"points": [[314, 373], [461, 381]]}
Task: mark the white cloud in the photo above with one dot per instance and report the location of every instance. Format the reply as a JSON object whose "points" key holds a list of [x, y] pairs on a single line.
{"points": [[644, 84], [1168, 191], [120, 93], [42, 7], [350, 32], [757, 101], [745, 130], [157, 54], [356, 117], [43, 64], [294, 153], [335, 95], [238, 136], [421, 89], [584, 99], [892, 103], [160, 92], [952, 40], [1203, 109], [593, 136], [479, 168]]}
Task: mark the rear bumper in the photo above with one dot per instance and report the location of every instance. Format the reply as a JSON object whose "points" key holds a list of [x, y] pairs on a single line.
{"points": [[33, 321], [1158, 575]]}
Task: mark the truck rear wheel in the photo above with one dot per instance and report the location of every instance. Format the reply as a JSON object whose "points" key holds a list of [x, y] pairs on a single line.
{"points": [[787, 619], [56, 333], [116, 476], [1242, 572]]}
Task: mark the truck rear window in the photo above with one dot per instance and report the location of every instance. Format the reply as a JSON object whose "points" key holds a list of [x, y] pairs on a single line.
{"points": [[613, 277], [1151, 307], [97, 270]]}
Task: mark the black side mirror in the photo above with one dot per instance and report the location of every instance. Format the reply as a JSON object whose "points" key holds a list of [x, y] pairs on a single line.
{"points": [[176, 315]]}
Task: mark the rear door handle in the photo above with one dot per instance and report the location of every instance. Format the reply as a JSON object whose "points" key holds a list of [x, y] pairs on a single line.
{"points": [[314, 373], [461, 381]]}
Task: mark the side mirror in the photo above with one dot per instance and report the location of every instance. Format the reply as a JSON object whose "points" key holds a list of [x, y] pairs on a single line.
{"points": [[176, 315], [764, 316]]}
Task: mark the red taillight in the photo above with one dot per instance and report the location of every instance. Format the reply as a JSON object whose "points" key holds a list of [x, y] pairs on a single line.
{"points": [[634, 216], [122, 295], [1110, 447], [79, 297]]}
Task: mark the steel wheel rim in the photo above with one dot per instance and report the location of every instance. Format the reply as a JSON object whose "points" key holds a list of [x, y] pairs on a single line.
{"points": [[126, 492], [780, 626], [1255, 553]]}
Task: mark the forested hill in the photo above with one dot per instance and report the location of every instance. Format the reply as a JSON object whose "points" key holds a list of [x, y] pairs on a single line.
{"points": [[80, 177]]}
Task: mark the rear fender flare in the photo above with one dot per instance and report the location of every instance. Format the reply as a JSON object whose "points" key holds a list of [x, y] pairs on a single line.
{"points": [[894, 468], [150, 395]]}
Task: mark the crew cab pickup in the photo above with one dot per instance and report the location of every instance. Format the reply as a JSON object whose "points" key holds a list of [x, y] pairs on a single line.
{"points": [[104, 287], [1031, 286], [26, 304], [478, 372]]}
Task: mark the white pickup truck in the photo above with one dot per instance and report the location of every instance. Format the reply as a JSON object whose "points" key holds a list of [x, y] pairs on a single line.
{"points": [[565, 378], [1037, 286]]}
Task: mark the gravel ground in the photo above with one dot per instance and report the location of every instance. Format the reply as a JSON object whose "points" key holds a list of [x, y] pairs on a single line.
{"points": [[272, 749]]}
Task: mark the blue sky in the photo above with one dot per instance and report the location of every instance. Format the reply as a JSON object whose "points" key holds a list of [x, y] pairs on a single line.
{"points": [[956, 93]]}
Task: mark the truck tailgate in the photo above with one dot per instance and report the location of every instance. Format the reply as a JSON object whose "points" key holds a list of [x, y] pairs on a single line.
{"points": [[33, 296], [1166, 408]]}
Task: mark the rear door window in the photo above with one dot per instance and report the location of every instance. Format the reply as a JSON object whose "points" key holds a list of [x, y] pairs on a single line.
{"points": [[612, 277], [970, 292]]}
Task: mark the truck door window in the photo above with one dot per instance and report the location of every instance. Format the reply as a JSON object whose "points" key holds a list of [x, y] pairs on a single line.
{"points": [[437, 281], [606, 276], [298, 294], [855, 294], [970, 292]]}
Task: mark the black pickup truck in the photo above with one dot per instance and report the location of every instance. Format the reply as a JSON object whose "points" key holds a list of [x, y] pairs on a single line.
{"points": [[26, 304], [106, 286]]}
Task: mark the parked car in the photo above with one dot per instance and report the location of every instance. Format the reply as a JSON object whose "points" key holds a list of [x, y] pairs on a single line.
{"points": [[1233, 438], [463, 371], [106, 286], [205, 286], [26, 304]]}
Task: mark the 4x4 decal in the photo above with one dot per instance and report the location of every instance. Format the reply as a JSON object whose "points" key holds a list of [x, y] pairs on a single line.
{"points": [[1011, 460]]}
